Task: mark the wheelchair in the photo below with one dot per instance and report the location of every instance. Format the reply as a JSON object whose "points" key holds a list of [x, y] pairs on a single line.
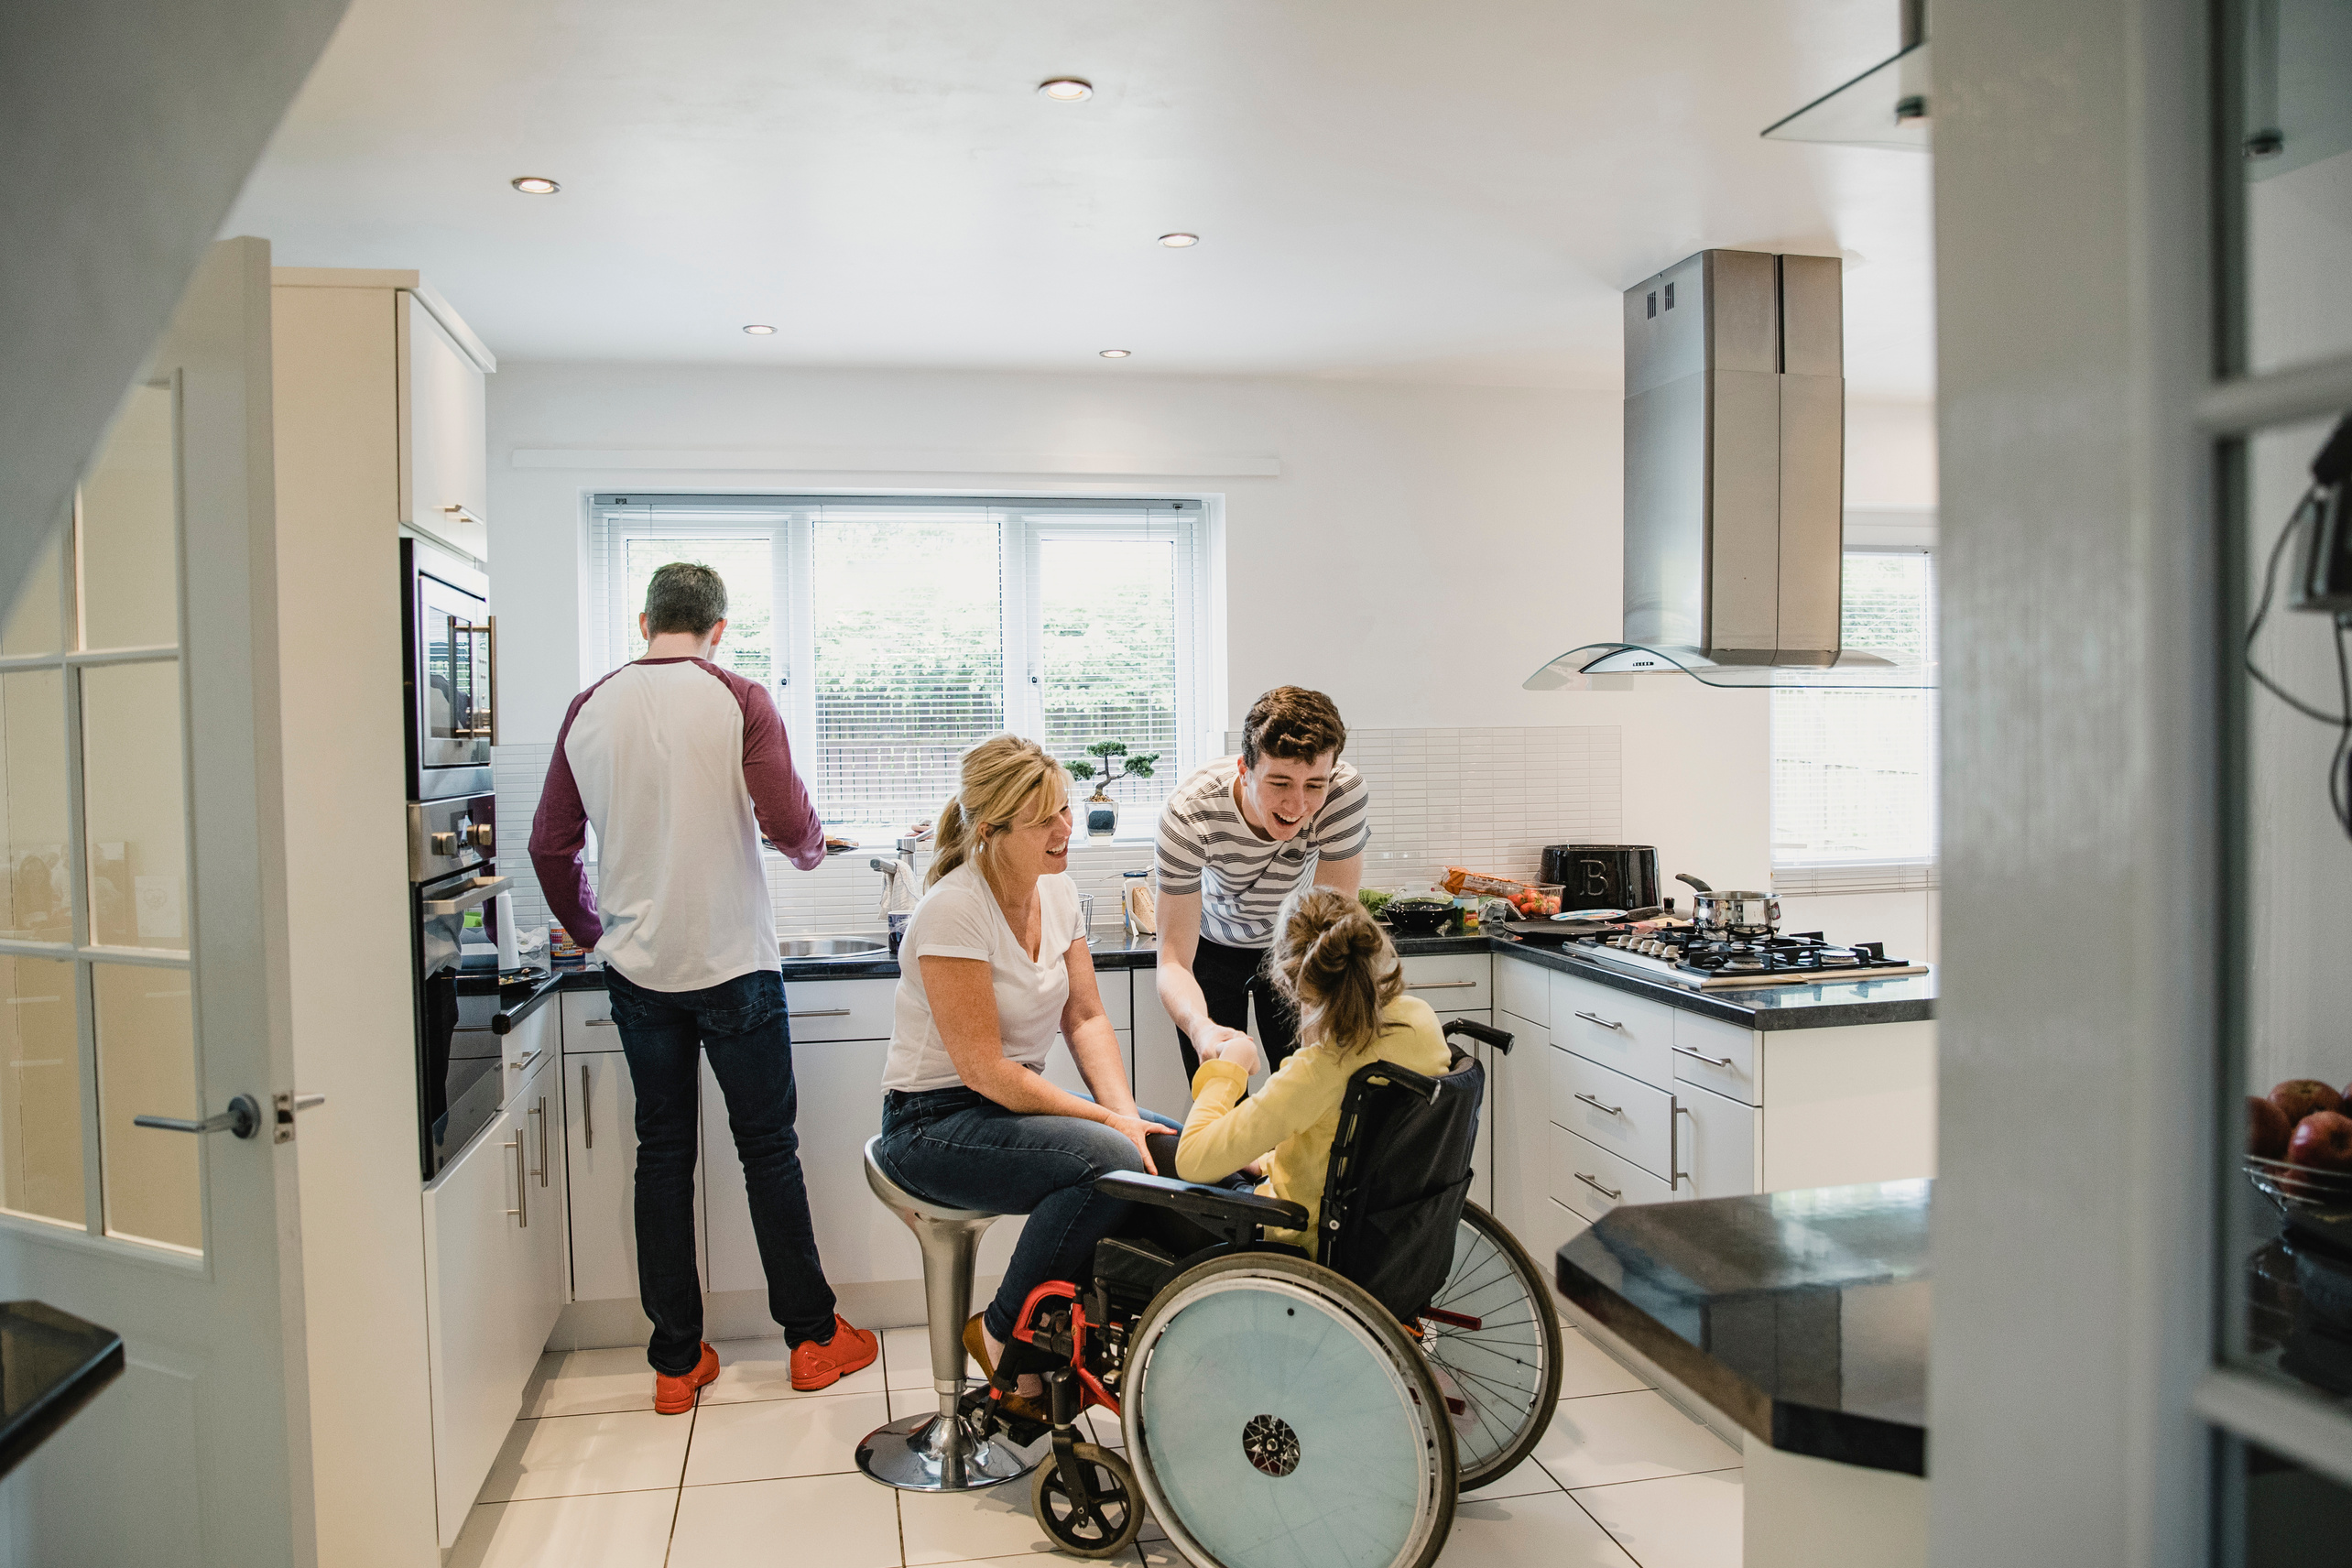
{"points": [[1282, 1408]]}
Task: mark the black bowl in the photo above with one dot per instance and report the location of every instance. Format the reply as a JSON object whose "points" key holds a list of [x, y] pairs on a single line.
{"points": [[1417, 917]]}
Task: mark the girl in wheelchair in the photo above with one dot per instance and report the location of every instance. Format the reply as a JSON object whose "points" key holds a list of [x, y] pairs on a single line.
{"points": [[1311, 1366]]}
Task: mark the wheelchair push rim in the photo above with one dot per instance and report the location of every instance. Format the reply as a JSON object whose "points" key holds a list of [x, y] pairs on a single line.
{"points": [[1493, 1335], [1275, 1411]]}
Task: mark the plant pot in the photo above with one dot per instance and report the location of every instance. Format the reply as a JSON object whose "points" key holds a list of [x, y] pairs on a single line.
{"points": [[1102, 814]]}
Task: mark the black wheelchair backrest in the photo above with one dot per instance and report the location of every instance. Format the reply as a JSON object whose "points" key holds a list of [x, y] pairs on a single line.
{"points": [[1400, 1173]]}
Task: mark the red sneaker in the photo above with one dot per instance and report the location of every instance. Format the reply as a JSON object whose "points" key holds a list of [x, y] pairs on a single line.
{"points": [[675, 1396], [851, 1350]]}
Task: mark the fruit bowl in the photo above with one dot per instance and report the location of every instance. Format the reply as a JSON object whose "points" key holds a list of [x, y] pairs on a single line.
{"points": [[2301, 1189]]}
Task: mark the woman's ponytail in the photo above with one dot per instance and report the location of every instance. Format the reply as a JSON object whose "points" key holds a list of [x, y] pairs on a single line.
{"points": [[1338, 967]]}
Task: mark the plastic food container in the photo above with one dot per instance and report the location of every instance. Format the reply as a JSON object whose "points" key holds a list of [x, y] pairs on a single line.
{"points": [[1539, 899]]}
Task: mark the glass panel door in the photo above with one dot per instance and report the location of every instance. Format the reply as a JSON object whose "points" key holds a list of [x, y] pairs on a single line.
{"points": [[96, 1017]]}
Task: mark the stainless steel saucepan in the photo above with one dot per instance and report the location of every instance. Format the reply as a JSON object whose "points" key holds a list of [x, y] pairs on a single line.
{"points": [[1731, 910]]}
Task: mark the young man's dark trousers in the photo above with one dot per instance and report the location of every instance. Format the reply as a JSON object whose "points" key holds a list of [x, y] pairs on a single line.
{"points": [[1230, 979], [741, 1026]]}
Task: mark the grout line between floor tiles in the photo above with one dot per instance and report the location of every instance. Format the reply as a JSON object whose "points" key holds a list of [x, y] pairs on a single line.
{"points": [[1605, 1529], [1605, 1486]]}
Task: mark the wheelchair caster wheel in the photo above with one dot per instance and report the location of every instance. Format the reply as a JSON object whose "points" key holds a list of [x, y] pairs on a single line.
{"points": [[1117, 1512]]}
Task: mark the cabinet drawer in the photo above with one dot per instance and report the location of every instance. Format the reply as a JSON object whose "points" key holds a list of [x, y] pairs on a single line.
{"points": [[840, 1009], [1615, 1112], [588, 1022], [1524, 989], [529, 1046], [1592, 1181], [1631, 1034], [1116, 994], [1717, 1056], [1718, 1145], [1452, 982]]}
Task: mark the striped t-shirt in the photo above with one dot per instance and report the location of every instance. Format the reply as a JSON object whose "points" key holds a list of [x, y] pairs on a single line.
{"points": [[1205, 847]]}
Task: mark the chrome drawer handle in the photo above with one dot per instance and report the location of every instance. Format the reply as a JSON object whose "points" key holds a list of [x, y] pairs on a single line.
{"points": [[1710, 1060], [524, 1063], [1439, 984], [602, 1023], [1605, 1023], [587, 1111], [522, 1209], [820, 1013], [1613, 1110], [1605, 1192]]}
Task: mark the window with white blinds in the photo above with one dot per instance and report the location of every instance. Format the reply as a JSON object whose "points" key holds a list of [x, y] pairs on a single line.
{"points": [[894, 632], [1854, 771]]}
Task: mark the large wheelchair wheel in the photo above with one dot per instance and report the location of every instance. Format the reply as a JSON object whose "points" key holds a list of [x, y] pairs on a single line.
{"points": [[1275, 1412], [1493, 1331]]}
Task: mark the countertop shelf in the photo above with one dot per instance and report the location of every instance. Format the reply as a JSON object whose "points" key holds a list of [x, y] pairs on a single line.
{"points": [[1812, 1005], [1801, 1315]]}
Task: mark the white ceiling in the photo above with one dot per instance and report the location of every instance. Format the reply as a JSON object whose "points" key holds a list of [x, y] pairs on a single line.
{"points": [[1383, 190]]}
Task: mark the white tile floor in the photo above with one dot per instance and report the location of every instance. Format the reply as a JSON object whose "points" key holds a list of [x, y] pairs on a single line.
{"points": [[592, 1478]]}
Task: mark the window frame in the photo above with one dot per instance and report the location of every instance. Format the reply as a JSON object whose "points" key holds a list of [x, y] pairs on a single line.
{"points": [[1867, 535], [1024, 524]]}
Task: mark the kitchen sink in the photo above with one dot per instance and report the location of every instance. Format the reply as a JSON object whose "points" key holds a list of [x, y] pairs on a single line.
{"points": [[833, 946]]}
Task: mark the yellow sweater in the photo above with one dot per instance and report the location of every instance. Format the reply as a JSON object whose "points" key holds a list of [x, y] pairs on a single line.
{"points": [[1297, 1114]]}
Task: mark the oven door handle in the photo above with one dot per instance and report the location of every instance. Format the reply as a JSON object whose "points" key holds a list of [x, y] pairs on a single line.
{"points": [[479, 891]]}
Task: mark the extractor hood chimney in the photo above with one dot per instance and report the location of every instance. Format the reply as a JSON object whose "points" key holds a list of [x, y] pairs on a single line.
{"points": [[1735, 456]]}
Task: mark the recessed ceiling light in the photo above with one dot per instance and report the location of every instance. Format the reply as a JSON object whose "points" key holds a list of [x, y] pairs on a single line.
{"points": [[760, 330], [1116, 352], [1066, 89], [1177, 242], [535, 185]]}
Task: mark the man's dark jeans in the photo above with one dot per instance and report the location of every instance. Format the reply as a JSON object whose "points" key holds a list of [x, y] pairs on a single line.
{"points": [[1230, 979], [741, 1026]]}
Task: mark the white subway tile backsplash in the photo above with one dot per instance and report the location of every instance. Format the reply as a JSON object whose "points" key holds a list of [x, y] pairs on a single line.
{"points": [[1487, 799]]}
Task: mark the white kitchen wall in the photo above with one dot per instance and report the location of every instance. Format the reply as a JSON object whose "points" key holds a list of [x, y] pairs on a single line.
{"points": [[1489, 798], [1418, 551]]}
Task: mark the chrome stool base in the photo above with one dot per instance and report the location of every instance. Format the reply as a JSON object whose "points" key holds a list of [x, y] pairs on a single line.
{"points": [[919, 1453]]}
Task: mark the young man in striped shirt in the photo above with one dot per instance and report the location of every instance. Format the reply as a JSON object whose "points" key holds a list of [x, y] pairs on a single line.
{"points": [[1235, 838]]}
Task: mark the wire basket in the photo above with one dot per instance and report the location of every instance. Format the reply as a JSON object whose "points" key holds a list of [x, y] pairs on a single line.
{"points": [[2301, 1189]]}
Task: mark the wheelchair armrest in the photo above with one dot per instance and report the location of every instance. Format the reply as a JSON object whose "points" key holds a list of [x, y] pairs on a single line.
{"points": [[1221, 1206]]}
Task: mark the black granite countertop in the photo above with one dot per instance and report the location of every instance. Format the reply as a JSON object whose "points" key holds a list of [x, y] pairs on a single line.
{"points": [[1904, 999], [1801, 1315], [51, 1364], [1899, 1000]]}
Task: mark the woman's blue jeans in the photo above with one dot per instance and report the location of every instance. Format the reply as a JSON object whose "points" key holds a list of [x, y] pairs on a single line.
{"points": [[959, 1148]]}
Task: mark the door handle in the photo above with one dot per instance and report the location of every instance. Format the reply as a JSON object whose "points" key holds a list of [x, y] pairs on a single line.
{"points": [[1710, 1060], [1675, 1174], [243, 1117], [524, 1063], [540, 1111], [284, 1104], [602, 1023], [481, 890], [587, 1111], [522, 1209], [1612, 1194], [1613, 1110], [1605, 1023], [820, 1013]]}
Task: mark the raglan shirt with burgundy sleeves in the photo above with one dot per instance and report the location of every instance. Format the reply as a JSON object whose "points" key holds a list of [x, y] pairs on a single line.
{"points": [[682, 767]]}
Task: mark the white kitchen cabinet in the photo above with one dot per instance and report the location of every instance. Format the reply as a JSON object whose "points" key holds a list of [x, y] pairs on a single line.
{"points": [[588, 1023], [1518, 1114], [381, 390], [444, 429], [1631, 1034], [1452, 982], [1715, 1145], [1159, 1082], [1523, 989], [600, 1157], [840, 1009], [529, 1046], [1620, 1113], [494, 1287], [1718, 1056], [1592, 1181]]}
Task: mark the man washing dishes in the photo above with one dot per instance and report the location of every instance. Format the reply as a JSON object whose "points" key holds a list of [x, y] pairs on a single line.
{"points": [[682, 767], [1235, 839]]}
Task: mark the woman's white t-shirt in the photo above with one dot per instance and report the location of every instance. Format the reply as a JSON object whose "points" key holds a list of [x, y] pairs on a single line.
{"points": [[959, 918]]}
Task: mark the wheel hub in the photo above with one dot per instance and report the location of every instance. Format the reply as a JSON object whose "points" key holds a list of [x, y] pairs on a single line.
{"points": [[1269, 1445]]}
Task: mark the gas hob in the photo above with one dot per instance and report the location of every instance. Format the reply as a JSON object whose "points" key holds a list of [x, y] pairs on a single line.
{"points": [[1709, 960]]}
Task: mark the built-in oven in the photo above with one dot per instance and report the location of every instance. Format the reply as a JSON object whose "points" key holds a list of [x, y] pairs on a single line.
{"points": [[449, 647], [455, 937]]}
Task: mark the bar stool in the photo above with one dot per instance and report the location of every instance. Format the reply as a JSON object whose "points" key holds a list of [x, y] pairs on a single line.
{"points": [[946, 1452]]}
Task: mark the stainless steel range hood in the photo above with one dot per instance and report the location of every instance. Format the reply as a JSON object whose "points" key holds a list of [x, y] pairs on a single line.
{"points": [[1735, 458], [1734, 480]]}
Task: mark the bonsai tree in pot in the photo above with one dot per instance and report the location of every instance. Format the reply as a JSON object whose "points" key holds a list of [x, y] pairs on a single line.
{"points": [[1106, 763]]}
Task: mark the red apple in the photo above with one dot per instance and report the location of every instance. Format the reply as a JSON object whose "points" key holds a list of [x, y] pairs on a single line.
{"points": [[2267, 1128], [2299, 1097], [2322, 1140]]}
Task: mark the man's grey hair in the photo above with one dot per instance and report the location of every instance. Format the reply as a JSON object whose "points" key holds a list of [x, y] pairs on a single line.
{"points": [[685, 596]]}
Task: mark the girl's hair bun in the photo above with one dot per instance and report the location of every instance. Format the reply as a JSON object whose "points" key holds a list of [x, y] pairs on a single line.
{"points": [[1336, 965]]}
